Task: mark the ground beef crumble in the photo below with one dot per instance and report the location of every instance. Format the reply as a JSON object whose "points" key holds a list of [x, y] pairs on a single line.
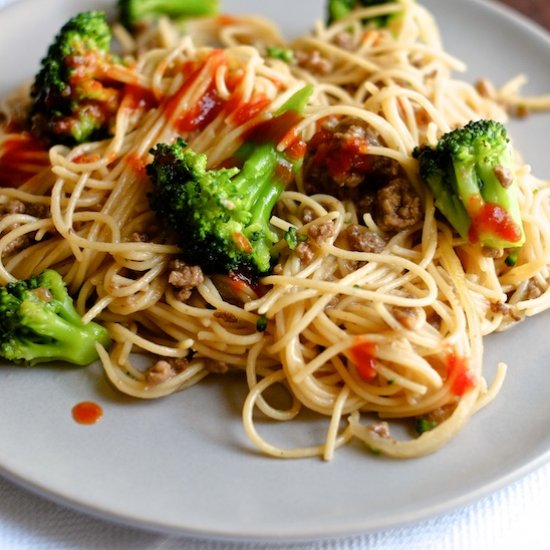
{"points": [[338, 162], [184, 278]]}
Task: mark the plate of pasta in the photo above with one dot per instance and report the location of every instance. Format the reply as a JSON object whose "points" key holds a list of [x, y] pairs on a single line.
{"points": [[291, 261]]}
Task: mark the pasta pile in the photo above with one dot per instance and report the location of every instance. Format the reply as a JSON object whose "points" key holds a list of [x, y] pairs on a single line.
{"points": [[361, 334]]}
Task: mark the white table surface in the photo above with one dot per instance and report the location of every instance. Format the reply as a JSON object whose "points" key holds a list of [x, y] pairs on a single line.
{"points": [[515, 517]]}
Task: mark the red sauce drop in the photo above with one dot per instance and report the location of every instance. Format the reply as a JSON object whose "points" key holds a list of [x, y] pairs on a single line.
{"points": [[137, 163], [208, 106], [136, 97], [240, 281], [203, 113], [85, 158], [242, 242], [243, 112], [87, 413], [363, 355], [297, 150], [341, 156], [283, 172], [21, 157], [493, 219], [461, 377], [224, 20]]}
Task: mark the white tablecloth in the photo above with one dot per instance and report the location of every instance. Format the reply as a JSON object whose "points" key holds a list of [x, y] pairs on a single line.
{"points": [[513, 517]]}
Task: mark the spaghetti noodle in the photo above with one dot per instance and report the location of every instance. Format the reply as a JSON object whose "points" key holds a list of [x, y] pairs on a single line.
{"points": [[392, 327]]}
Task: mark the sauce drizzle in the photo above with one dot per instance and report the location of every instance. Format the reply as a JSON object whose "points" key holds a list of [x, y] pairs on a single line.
{"points": [[492, 219], [461, 377], [363, 355], [21, 156], [87, 413]]}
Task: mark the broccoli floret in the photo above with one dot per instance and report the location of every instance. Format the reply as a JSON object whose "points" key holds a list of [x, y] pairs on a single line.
{"points": [[73, 100], [133, 12], [424, 424], [221, 216], [338, 9], [471, 175], [38, 323]]}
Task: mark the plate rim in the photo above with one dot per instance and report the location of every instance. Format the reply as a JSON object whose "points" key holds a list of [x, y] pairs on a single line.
{"points": [[534, 30]]}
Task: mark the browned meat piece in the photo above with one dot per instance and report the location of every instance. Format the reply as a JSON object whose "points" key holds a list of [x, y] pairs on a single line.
{"points": [[533, 290], [344, 40], [338, 163], [18, 207], [407, 316], [184, 277], [18, 244], [165, 369], [337, 156], [321, 232], [313, 61], [137, 237], [504, 176], [510, 312], [360, 239], [381, 429], [305, 252], [226, 316], [12, 207], [398, 206]]}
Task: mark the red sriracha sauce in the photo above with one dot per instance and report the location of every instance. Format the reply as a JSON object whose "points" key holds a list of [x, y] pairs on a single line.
{"points": [[137, 163], [242, 112], [21, 156], [493, 219], [210, 104], [242, 243], [341, 157], [87, 413], [136, 97], [203, 113], [363, 355], [461, 377]]}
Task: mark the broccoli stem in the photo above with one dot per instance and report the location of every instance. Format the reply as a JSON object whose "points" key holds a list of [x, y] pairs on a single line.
{"points": [[261, 179], [179, 8], [133, 12], [451, 205], [338, 9], [256, 182], [297, 102], [56, 338]]}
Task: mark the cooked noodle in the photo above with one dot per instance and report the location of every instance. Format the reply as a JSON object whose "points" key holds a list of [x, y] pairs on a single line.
{"points": [[418, 309]]}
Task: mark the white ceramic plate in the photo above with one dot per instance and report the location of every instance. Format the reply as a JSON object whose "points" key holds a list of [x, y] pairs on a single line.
{"points": [[183, 464]]}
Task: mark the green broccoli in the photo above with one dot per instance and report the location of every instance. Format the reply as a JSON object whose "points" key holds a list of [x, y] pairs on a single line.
{"points": [[338, 9], [471, 176], [133, 12], [38, 323], [424, 424], [72, 98], [221, 216], [283, 54]]}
